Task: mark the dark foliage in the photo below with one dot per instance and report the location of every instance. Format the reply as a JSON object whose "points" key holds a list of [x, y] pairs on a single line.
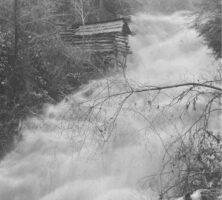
{"points": [[208, 24], [198, 163], [43, 69]]}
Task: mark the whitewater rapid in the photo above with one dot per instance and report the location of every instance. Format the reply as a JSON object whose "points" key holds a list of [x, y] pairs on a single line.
{"points": [[90, 150]]}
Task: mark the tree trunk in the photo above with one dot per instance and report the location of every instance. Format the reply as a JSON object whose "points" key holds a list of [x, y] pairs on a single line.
{"points": [[101, 4], [15, 31]]}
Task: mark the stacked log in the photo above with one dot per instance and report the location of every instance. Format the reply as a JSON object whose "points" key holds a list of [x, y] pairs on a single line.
{"points": [[122, 43]]}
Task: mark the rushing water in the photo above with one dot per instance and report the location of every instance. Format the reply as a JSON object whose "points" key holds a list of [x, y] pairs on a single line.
{"points": [[73, 152]]}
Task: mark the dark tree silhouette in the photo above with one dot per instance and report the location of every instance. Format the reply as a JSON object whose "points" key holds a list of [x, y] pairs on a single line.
{"points": [[208, 24]]}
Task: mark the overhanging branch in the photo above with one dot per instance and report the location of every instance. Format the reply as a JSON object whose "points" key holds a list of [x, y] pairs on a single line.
{"points": [[160, 88]]}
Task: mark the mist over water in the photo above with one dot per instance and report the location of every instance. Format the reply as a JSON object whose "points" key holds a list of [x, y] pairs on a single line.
{"points": [[167, 50], [68, 152]]}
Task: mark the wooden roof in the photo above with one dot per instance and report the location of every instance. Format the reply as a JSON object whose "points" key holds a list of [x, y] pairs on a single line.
{"points": [[116, 26]]}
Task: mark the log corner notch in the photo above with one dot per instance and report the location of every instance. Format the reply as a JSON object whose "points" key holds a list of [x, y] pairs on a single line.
{"points": [[106, 39]]}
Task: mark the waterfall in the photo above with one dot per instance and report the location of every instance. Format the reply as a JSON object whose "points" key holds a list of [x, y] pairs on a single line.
{"points": [[89, 147]]}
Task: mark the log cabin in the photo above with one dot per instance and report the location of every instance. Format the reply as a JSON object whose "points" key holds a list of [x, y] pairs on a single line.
{"points": [[108, 39]]}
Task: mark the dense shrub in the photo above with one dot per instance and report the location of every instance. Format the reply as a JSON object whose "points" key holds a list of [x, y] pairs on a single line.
{"points": [[208, 24]]}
